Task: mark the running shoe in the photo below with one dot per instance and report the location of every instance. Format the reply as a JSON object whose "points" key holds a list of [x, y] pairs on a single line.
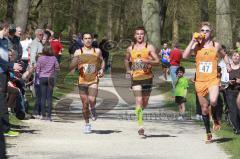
{"points": [[209, 138], [141, 131], [87, 129], [216, 125], [93, 114], [11, 133], [180, 118]]}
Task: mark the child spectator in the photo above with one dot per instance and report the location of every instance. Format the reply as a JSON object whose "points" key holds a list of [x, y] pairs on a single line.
{"points": [[181, 91]]}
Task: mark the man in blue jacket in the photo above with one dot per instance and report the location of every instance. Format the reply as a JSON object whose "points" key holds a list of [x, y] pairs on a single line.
{"points": [[5, 66]]}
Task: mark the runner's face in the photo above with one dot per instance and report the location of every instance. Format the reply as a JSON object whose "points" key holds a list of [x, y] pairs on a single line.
{"points": [[87, 40], [139, 36], [236, 58], [206, 30]]}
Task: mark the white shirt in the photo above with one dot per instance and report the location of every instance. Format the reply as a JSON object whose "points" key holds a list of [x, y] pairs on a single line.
{"points": [[25, 45], [224, 72]]}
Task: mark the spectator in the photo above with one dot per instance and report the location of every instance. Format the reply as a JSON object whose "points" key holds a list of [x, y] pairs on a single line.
{"points": [[36, 46], [5, 65], [95, 41], [14, 39], [233, 95], [74, 45], [56, 46], [105, 54], [79, 39], [175, 58], [25, 42], [181, 91], [47, 66]]}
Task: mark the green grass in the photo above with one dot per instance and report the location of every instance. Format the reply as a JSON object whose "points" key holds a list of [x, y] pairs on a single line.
{"points": [[232, 144]]}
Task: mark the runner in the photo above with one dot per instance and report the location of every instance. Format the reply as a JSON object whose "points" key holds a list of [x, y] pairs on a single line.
{"points": [[142, 56], [90, 63], [207, 82], [165, 59]]}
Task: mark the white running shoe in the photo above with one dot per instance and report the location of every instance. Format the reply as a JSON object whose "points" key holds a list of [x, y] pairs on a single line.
{"points": [[87, 129]]}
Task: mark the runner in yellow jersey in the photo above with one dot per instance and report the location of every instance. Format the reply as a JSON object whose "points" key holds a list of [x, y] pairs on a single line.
{"points": [[142, 56], [91, 65], [207, 81]]}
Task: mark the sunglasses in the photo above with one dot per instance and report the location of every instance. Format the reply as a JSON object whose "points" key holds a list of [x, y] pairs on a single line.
{"points": [[207, 31]]}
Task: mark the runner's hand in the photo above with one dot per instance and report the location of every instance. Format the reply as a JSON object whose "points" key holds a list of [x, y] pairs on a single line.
{"points": [[128, 74], [100, 73]]}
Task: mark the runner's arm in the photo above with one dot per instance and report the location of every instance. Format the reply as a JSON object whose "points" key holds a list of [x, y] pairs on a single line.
{"points": [[101, 71], [192, 46], [75, 61], [127, 61], [155, 58]]}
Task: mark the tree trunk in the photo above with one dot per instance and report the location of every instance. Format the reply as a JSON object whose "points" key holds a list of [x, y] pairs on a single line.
{"points": [[21, 16], [97, 20], [110, 20], [163, 10], [10, 11], [150, 17], [175, 21], [204, 10], [223, 23], [43, 16]]}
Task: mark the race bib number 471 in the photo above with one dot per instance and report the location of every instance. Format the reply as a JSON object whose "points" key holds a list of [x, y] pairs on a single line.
{"points": [[89, 68], [205, 67]]}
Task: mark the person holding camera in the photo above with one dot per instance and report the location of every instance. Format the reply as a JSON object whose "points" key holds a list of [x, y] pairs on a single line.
{"points": [[207, 80]]}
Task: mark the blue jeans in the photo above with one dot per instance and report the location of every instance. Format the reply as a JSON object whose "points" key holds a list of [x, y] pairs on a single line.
{"points": [[173, 75], [46, 85]]}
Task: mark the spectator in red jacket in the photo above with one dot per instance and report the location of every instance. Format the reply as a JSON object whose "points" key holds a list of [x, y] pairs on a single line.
{"points": [[175, 58]]}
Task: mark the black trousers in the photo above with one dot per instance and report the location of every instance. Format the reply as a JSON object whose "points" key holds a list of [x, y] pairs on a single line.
{"points": [[4, 116], [234, 112]]}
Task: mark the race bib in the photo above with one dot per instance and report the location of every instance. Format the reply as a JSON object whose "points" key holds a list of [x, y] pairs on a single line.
{"points": [[89, 68], [205, 67], [138, 65]]}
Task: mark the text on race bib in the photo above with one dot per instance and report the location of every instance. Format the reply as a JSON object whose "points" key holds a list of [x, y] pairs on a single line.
{"points": [[205, 67], [138, 65], [89, 68]]}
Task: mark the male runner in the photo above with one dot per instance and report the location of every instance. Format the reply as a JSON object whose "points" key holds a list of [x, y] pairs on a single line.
{"points": [[142, 56], [165, 59], [91, 65], [207, 81]]}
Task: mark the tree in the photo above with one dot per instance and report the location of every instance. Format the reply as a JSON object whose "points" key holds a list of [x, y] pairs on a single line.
{"points": [[150, 17], [223, 23], [21, 16], [204, 10], [175, 37], [10, 10], [110, 20]]}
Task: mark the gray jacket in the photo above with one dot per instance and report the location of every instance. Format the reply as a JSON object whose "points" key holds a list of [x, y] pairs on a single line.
{"points": [[36, 47]]}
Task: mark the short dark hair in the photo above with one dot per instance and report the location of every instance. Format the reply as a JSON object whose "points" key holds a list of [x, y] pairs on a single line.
{"points": [[140, 28], [47, 50], [95, 35], [4, 24], [181, 68], [87, 33], [46, 32]]}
